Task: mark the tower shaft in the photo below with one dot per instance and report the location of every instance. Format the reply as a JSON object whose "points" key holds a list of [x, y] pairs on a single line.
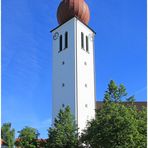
{"points": [[73, 71]]}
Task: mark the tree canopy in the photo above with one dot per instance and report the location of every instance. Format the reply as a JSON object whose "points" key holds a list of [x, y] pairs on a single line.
{"points": [[8, 134], [27, 137], [116, 125], [64, 133]]}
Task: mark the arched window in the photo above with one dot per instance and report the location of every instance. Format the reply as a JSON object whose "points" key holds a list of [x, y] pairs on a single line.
{"points": [[87, 49], [82, 40], [60, 43], [66, 39]]}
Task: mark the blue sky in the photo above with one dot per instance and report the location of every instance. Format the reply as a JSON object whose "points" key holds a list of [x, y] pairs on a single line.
{"points": [[120, 53]]}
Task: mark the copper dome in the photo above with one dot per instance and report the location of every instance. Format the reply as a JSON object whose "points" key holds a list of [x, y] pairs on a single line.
{"points": [[70, 8]]}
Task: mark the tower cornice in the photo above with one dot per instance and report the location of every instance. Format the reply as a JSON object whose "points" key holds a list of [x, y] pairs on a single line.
{"points": [[76, 19]]}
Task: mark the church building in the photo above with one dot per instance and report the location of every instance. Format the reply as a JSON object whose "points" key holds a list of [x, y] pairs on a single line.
{"points": [[73, 73]]}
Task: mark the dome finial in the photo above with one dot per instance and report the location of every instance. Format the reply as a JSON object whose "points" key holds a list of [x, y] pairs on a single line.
{"points": [[70, 8]]}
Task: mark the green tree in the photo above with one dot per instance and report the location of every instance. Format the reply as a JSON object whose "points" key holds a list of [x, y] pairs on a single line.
{"points": [[8, 134], [27, 138], [64, 134], [116, 125]]}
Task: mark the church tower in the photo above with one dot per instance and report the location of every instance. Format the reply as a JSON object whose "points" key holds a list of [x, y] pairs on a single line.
{"points": [[73, 77]]}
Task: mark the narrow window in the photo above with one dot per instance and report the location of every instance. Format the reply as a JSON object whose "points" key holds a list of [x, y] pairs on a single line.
{"points": [[66, 39], [82, 40], [60, 42], [63, 63], [87, 44]]}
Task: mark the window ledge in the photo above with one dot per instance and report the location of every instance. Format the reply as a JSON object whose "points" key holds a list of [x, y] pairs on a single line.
{"points": [[62, 50]]}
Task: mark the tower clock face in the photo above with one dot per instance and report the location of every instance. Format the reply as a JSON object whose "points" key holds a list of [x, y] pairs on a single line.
{"points": [[56, 35]]}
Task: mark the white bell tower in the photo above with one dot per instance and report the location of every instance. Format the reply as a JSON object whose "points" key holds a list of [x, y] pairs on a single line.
{"points": [[73, 70], [73, 73]]}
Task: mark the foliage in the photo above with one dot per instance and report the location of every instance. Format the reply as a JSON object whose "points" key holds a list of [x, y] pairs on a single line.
{"points": [[27, 138], [8, 134], [64, 134], [116, 125]]}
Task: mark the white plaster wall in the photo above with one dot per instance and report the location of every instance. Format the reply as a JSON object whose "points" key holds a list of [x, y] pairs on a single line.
{"points": [[85, 75], [74, 73], [63, 73]]}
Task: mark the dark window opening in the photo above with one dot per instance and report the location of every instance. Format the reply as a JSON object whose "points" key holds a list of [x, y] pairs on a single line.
{"points": [[60, 42], [63, 84], [82, 40], [66, 39], [87, 44]]}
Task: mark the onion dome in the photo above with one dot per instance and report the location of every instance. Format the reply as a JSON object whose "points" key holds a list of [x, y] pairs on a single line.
{"points": [[70, 8]]}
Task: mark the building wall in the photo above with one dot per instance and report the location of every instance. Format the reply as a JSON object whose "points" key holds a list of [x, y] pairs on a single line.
{"points": [[63, 73], [76, 73], [85, 76]]}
